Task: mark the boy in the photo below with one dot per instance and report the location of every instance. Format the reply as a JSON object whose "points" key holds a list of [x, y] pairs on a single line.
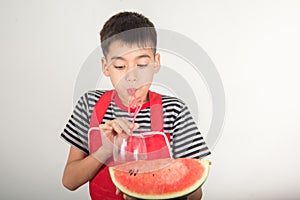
{"points": [[128, 42]]}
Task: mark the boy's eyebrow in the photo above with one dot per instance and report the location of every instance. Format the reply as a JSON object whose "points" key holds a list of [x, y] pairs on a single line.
{"points": [[143, 56], [138, 57], [117, 58]]}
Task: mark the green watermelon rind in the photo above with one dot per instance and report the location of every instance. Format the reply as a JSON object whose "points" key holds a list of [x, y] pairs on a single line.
{"points": [[173, 195]]}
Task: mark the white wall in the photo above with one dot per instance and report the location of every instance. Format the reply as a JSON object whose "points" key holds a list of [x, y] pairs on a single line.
{"points": [[254, 45]]}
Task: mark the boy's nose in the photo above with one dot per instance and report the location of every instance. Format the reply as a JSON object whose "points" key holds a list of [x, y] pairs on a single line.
{"points": [[131, 77]]}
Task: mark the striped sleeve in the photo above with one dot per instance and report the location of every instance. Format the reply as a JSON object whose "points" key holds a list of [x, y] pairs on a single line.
{"points": [[187, 140], [76, 129]]}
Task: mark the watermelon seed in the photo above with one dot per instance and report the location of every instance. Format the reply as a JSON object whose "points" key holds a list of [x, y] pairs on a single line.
{"points": [[152, 174], [133, 172]]}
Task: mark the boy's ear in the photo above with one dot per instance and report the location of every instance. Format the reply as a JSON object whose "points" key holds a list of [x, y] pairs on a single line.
{"points": [[104, 66], [157, 62]]}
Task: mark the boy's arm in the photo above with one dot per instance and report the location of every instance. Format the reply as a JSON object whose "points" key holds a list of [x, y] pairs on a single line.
{"points": [[197, 195], [79, 169]]}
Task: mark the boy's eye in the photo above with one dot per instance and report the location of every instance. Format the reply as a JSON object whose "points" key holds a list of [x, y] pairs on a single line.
{"points": [[142, 65], [119, 66]]}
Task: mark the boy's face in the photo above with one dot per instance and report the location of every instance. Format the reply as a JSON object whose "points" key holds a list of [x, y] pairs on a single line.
{"points": [[130, 68]]}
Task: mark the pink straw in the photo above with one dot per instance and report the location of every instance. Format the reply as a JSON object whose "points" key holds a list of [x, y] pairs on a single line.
{"points": [[135, 103]]}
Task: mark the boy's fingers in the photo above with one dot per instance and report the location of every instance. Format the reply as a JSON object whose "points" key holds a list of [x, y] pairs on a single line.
{"points": [[117, 191], [128, 123], [127, 197], [136, 126], [105, 127], [106, 130], [123, 123], [119, 125], [106, 136], [115, 126], [124, 196], [109, 136]]}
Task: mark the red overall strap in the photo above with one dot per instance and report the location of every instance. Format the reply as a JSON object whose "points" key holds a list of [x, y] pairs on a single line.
{"points": [[100, 108], [156, 143], [156, 113], [96, 119], [101, 186]]}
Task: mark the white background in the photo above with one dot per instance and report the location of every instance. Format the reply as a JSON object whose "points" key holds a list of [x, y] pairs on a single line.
{"points": [[254, 45]]}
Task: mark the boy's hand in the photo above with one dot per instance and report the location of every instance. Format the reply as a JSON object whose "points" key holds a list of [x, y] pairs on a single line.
{"points": [[118, 126], [124, 195]]}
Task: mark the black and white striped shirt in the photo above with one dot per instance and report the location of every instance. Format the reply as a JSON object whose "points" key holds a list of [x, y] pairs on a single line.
{"points": [[186, 140]]}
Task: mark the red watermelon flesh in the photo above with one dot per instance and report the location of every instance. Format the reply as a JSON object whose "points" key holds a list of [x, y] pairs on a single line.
{"points": [[160, 179]]}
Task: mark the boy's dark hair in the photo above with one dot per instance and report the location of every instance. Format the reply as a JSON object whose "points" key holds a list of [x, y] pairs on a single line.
{"points": [[130, 28]]}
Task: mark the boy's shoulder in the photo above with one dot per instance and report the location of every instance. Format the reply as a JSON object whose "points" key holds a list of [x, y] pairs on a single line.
{"points": [[172, 101], [91, 97], [97, 93]]}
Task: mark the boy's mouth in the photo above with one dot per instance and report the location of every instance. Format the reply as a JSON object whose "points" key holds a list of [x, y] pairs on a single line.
{"points": [[131, 91]]}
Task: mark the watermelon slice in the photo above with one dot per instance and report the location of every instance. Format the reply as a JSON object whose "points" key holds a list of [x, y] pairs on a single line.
{"points": [[160, 179]]}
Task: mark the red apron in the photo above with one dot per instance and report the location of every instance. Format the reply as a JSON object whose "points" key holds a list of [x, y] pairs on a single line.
{"points": [[101, 186]]}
